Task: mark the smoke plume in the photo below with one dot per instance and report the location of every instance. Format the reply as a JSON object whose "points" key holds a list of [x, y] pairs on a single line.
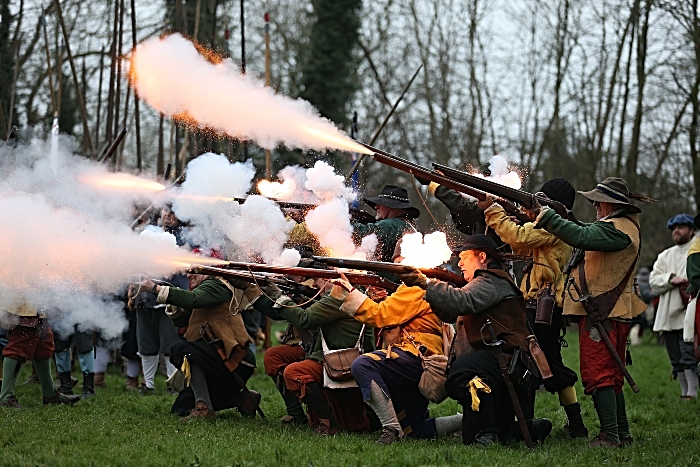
{"points": [[174, 78]]}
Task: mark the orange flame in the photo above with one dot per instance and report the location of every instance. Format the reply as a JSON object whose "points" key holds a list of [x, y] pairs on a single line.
{"points": [[122, 182]]}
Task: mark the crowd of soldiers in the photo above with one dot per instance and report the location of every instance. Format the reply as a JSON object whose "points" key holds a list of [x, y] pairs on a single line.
{"points": [[489, 345]]}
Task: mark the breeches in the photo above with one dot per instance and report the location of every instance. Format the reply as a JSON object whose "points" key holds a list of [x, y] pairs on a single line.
{"points": [[81, 340], [30, 343], [548, 338], [598, 367], [277, 358], [155, 332], [398, 378]]}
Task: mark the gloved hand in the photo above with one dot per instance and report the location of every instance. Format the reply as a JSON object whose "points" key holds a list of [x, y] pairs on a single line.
{"points": [[422, 181], [271, 290], [414, 278]]}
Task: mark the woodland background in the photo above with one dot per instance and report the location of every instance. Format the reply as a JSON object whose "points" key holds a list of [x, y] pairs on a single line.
{"points": [[582, 89]]}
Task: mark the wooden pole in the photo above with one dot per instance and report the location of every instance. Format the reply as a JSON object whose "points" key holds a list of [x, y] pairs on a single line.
{"points": [[99, 97], [268, 153], [81, 103], [112, 72], [137, 117], [118, 76], [11, 109], [54, 109], [243, 70], [160, 161]]}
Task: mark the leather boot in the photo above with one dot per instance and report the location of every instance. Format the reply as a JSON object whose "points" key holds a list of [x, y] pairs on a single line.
{"points": [[248, 407], [132, 384], [66, 384], [295, 411], [317, 402], [60, 398], [100, 380], [575, 425], [88, 385], [325, 427]]}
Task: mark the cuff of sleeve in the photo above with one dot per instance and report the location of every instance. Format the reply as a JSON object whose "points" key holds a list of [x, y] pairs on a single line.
{"points": [[432, 187], [353, 302], [544, 213], [163, 294], [252, 292], [173, 312], [280, 302]]}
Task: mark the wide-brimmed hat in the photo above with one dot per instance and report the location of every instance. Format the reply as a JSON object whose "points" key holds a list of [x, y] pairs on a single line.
{"points": [[479, 242], [393, 197], [611, 190]]}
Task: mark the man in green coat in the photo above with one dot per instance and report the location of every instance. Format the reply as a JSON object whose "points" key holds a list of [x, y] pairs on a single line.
{"points": [[338, 409], [395, 217]]}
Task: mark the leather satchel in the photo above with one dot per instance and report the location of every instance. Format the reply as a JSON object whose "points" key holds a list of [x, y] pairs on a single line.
{"points": [[338, 363]]}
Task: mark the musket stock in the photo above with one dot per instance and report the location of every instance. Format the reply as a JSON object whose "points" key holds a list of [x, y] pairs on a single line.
{"points": [[357, 214], [519, 196], [391, 268], [434, 176]]}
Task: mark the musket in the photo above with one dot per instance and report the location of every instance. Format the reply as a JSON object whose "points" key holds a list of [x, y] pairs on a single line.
{"points": [[434, 176], [357, 214], [115, 144], [354, 278], [288, 286], [502, 191], [391, 268]]}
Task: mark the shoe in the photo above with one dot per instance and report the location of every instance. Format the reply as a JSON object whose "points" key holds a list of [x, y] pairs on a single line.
{"points": [[60, 398], [11, 402], [248, 409], [688, 398], [146, 391], [389, 436], [484, 439], [132, 384], [88, 386], [626, 441], [170, 391], [66, 385], [324, 428], [291, 420], [201, 410], [603, 441], [100, 381], [540, 428]]}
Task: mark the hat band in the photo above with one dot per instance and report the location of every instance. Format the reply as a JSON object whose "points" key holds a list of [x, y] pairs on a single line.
{"points": [[612, 193], [405, 200]]}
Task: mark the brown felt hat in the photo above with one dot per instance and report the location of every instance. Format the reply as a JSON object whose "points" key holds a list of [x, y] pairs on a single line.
{"points": [[611, 190]]}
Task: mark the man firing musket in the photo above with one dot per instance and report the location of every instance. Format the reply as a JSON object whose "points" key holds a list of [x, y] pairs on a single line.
{"points": [[602, 274]]}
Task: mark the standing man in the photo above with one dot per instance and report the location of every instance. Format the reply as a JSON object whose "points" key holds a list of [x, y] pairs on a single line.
{"points": [[543, 277], [668, 279], [395, 217], [605, 272], [155, 333]]}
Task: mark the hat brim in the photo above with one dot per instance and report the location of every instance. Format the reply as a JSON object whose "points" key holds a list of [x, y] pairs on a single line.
{"points": [[600, 197], [488, 250], [393, 204], [696, 220]]}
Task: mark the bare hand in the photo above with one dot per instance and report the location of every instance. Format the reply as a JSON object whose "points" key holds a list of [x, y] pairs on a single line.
{"points": [[534, 211], [676, 280], [377, 294]]}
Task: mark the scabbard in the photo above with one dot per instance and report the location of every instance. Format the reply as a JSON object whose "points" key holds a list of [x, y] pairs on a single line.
{"points": [[516, 406]]}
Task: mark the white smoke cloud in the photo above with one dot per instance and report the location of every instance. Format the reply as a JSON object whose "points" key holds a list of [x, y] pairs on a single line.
{"points": [[322, 180], [330, 222], [501, 173], [425, 252], [171, 75]]}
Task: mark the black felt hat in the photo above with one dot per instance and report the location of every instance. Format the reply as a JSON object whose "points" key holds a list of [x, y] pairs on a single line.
{"points": [[393, 197], [479, 242]]}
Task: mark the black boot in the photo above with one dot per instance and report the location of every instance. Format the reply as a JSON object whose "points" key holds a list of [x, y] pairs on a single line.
{"points": [[295, 411], [575, 426], [88, 385], [66, 385], [317, 402]]}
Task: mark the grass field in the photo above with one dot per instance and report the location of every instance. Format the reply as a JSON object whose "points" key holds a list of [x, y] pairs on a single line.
{"points": [[121, 428]]}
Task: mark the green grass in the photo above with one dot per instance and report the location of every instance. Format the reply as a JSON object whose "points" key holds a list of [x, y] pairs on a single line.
{"points": [[121, 428]]}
